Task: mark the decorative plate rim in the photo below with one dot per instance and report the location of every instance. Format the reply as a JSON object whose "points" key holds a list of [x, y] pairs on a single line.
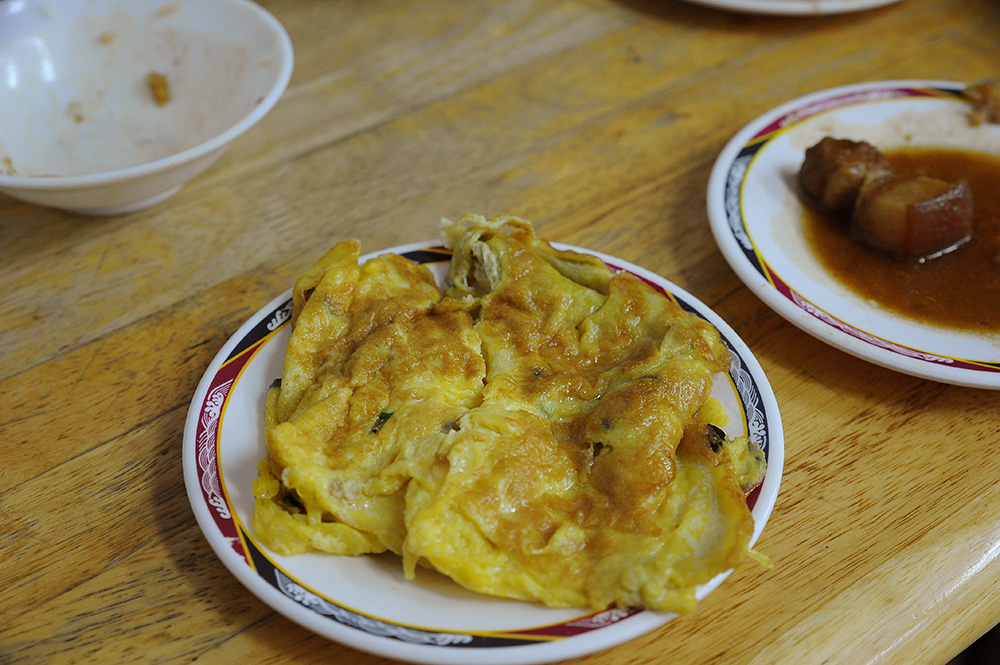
{"points": [[795, 7], [256, 569]]}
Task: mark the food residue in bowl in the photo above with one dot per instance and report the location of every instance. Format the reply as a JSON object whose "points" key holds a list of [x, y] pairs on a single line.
{"points": [[74, 110], [168, 9], [158, 87]]}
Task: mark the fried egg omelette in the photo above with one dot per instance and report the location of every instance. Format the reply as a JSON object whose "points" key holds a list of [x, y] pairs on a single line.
{"points": [[540, 429]]}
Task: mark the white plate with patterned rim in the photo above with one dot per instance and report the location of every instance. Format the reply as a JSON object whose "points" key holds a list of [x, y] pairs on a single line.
{"points": [[756, 216], [364, 602], [795, 7]]}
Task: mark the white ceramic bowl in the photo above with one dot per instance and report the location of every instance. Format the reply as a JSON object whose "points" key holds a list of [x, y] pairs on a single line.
{"points": [[80, 127]]}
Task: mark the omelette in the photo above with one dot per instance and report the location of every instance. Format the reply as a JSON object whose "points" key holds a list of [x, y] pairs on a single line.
{"points": [[539, 429]]}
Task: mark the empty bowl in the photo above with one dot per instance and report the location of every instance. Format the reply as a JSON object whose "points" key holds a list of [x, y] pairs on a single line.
{"points": [[111, 106]]}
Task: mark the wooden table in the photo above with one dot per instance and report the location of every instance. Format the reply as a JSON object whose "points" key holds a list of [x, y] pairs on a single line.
{"points": [[597, 119]]}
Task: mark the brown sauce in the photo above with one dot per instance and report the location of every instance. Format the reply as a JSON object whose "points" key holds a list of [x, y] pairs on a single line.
{"points": [[959, 290]]}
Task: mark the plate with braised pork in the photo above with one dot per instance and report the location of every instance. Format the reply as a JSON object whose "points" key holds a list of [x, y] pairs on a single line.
{"points": [[868, 216]]}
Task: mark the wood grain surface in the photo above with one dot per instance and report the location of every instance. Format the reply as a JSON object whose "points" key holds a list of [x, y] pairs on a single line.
{"points": [[597, 119]]}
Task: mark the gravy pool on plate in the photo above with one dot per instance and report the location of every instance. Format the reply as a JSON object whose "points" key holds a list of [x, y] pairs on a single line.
{"points": [[960, 289]]}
